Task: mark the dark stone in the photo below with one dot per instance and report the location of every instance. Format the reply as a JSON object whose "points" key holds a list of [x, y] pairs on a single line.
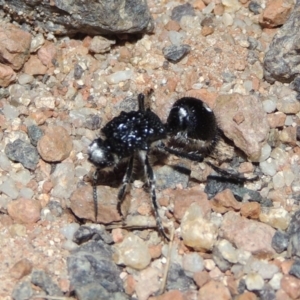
{"points": [[34, 134], [94, 291], [43, 280], [55, 208], [90, 266], [228, 77], [182, 10], [294, 245], [255, 7], [298, 133], [252, 57], [93, 122], [177, 280], [253, 43], [295, 84], [241, 286], [281, 61], [22, 291], [82, 16], [221, 262], [295, 269], [86, 233], [23, 152], [4, 93], [217, 184], [280, 241], [267, 293], [175, 53], [294, 225], [78, 71]]}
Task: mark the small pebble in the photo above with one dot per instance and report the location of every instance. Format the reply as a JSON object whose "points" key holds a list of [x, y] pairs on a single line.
{"points": [[280, 241], [34, 134], [133, 252], [196, 231], [268, 167], [295, 269], [182, 10], [119, 76], [25, 79], [254, 281], [69, 230], [192, 263], [22, 152], [175, 53]]}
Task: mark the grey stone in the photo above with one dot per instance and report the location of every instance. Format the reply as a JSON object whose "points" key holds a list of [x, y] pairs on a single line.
{"points": [[280, 241], [294, 226], [217, 184], [44, 281], [86, 233], [282, 59], [78, 71], [89, 17], [175, 53], [182, 10], [90, 266], [295, 269], [294, 245], [22, 291], [267, 293], [221, 262], [177, 280], [22, 152], [170, 176], [34, 134], [255, 7]]}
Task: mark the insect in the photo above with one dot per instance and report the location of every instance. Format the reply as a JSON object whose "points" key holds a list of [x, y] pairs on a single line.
{"points": [[191, 125]]}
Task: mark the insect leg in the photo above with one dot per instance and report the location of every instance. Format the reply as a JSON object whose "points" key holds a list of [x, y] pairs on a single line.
{"points": [[151, 181], [126, 180]]}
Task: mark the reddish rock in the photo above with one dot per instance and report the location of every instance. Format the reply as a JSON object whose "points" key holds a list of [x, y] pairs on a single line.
{"points": [[83, 207], [55, 145], [255, 121], [198, 4], [21, 268], [286, 266], [34, 66], [282, 295], [249, 235], [291, 285], [207, 30], [184, 198], [47, 53], [277, 119], [225, 201], [24, 210], [201, 278], [171, 295], [129, 285], [7, 75], [289, 135], [14, 45], [276, 13], [172, 25], [155, 251], [214, 290], [247, 296], [250, 210]]}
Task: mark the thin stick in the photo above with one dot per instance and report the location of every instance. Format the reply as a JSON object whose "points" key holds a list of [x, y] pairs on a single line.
{"points": [[167, 268]]}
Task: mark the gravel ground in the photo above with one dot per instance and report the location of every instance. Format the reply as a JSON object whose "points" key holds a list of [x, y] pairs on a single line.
{"points": [[230, 241]]}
